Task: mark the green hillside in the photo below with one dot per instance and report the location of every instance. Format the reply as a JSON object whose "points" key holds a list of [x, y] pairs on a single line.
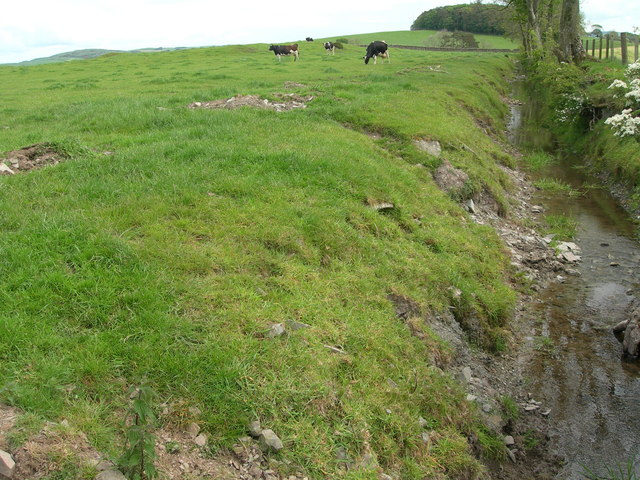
{"points": [[85, 55], [171, 239]]}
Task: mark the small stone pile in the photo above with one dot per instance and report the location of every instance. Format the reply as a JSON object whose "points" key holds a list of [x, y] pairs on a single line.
{"points": [[288, 101]]}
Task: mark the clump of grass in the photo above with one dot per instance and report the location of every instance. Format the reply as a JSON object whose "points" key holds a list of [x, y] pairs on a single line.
{"points": [[509, 408], [544, 344], [623, 471], [562, 226], [538, 160], [553, 185], [530, 440]]}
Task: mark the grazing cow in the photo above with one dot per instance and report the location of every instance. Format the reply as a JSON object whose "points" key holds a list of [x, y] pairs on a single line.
{"points": [[309, 39], [330, 47], [280, 50], [377, 49]]}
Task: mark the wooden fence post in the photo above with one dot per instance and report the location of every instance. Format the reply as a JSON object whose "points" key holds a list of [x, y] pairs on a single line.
{"points": [[600, 49], [623, 42], [606, 52], [613, 48], [593, 48]]}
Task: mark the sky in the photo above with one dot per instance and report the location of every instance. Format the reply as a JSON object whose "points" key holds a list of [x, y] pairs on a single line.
{"points": [[39, 28]]}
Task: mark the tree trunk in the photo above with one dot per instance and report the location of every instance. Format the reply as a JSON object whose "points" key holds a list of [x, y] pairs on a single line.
{"points": [[534, 22], [570, 46]]}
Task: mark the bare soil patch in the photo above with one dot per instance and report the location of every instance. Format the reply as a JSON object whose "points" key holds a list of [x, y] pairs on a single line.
{"points": [[29, 158], [286, 102]]}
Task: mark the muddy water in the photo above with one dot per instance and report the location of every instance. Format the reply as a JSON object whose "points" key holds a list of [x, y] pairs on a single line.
{"points": [[592, 391]]}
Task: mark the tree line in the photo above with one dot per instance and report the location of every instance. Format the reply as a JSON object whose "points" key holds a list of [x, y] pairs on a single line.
{"points": [[475, 18], [546, 28]]}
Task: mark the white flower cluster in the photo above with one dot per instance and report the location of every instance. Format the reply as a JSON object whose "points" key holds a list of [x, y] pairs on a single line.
{"points": [[618, 84], [571, 106], [625, 124], [633, 70], [634, 92]]}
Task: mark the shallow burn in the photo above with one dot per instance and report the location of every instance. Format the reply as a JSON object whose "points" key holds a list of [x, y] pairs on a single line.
{"points": [[29, 158], [590, 389], [288, 101]]}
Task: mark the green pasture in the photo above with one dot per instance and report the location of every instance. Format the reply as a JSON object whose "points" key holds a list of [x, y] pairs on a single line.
{"points": [[418, 38], [173, 238]]}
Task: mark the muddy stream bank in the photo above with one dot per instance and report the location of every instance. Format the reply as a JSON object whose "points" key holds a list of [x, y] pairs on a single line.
{"points": [[579, 374]]}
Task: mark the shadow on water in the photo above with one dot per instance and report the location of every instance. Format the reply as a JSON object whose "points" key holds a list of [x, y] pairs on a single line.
{"points": [[592, 391]]}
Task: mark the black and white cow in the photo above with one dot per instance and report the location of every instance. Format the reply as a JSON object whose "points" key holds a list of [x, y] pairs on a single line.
{"points": [[377, 49], [330, 47], [280, 50]]}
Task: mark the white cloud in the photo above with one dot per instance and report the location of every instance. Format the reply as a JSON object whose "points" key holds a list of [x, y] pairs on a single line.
{"points": [[619, 15]]}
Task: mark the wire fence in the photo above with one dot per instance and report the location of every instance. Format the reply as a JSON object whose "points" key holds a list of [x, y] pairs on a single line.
{"points": [[443, 49], [613, 47]]}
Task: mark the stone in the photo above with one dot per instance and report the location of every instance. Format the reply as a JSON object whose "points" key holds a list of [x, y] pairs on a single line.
{"points": [[423, 423], [335, 349], [570, 257], [5, 170], [508, 440], [426, 438], [537, 209], [631, 342], [471, 398], [466, 373], [201, 440], [193, 429], [270, 441], [7, 464], [470, 206], [110, 475], [295, 326], [621, 327], [254, 428], [276, 330], [432, 147], [255, 471], [342, 455], [382, 206], [105, 465], [384, 476], [567, 246], [368, 461]]}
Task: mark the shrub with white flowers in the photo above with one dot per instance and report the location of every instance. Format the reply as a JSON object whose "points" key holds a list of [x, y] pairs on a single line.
{"points": [[627, 123]]}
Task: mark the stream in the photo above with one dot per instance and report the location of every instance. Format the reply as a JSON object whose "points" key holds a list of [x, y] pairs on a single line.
{"points": [[592, 391]]}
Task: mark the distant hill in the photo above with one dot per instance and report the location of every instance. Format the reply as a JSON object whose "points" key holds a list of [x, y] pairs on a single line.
{"points": [[86, 54]]}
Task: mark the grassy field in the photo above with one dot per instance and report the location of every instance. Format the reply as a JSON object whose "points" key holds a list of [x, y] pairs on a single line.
{"points": [[418, 38], [171, 257]]}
